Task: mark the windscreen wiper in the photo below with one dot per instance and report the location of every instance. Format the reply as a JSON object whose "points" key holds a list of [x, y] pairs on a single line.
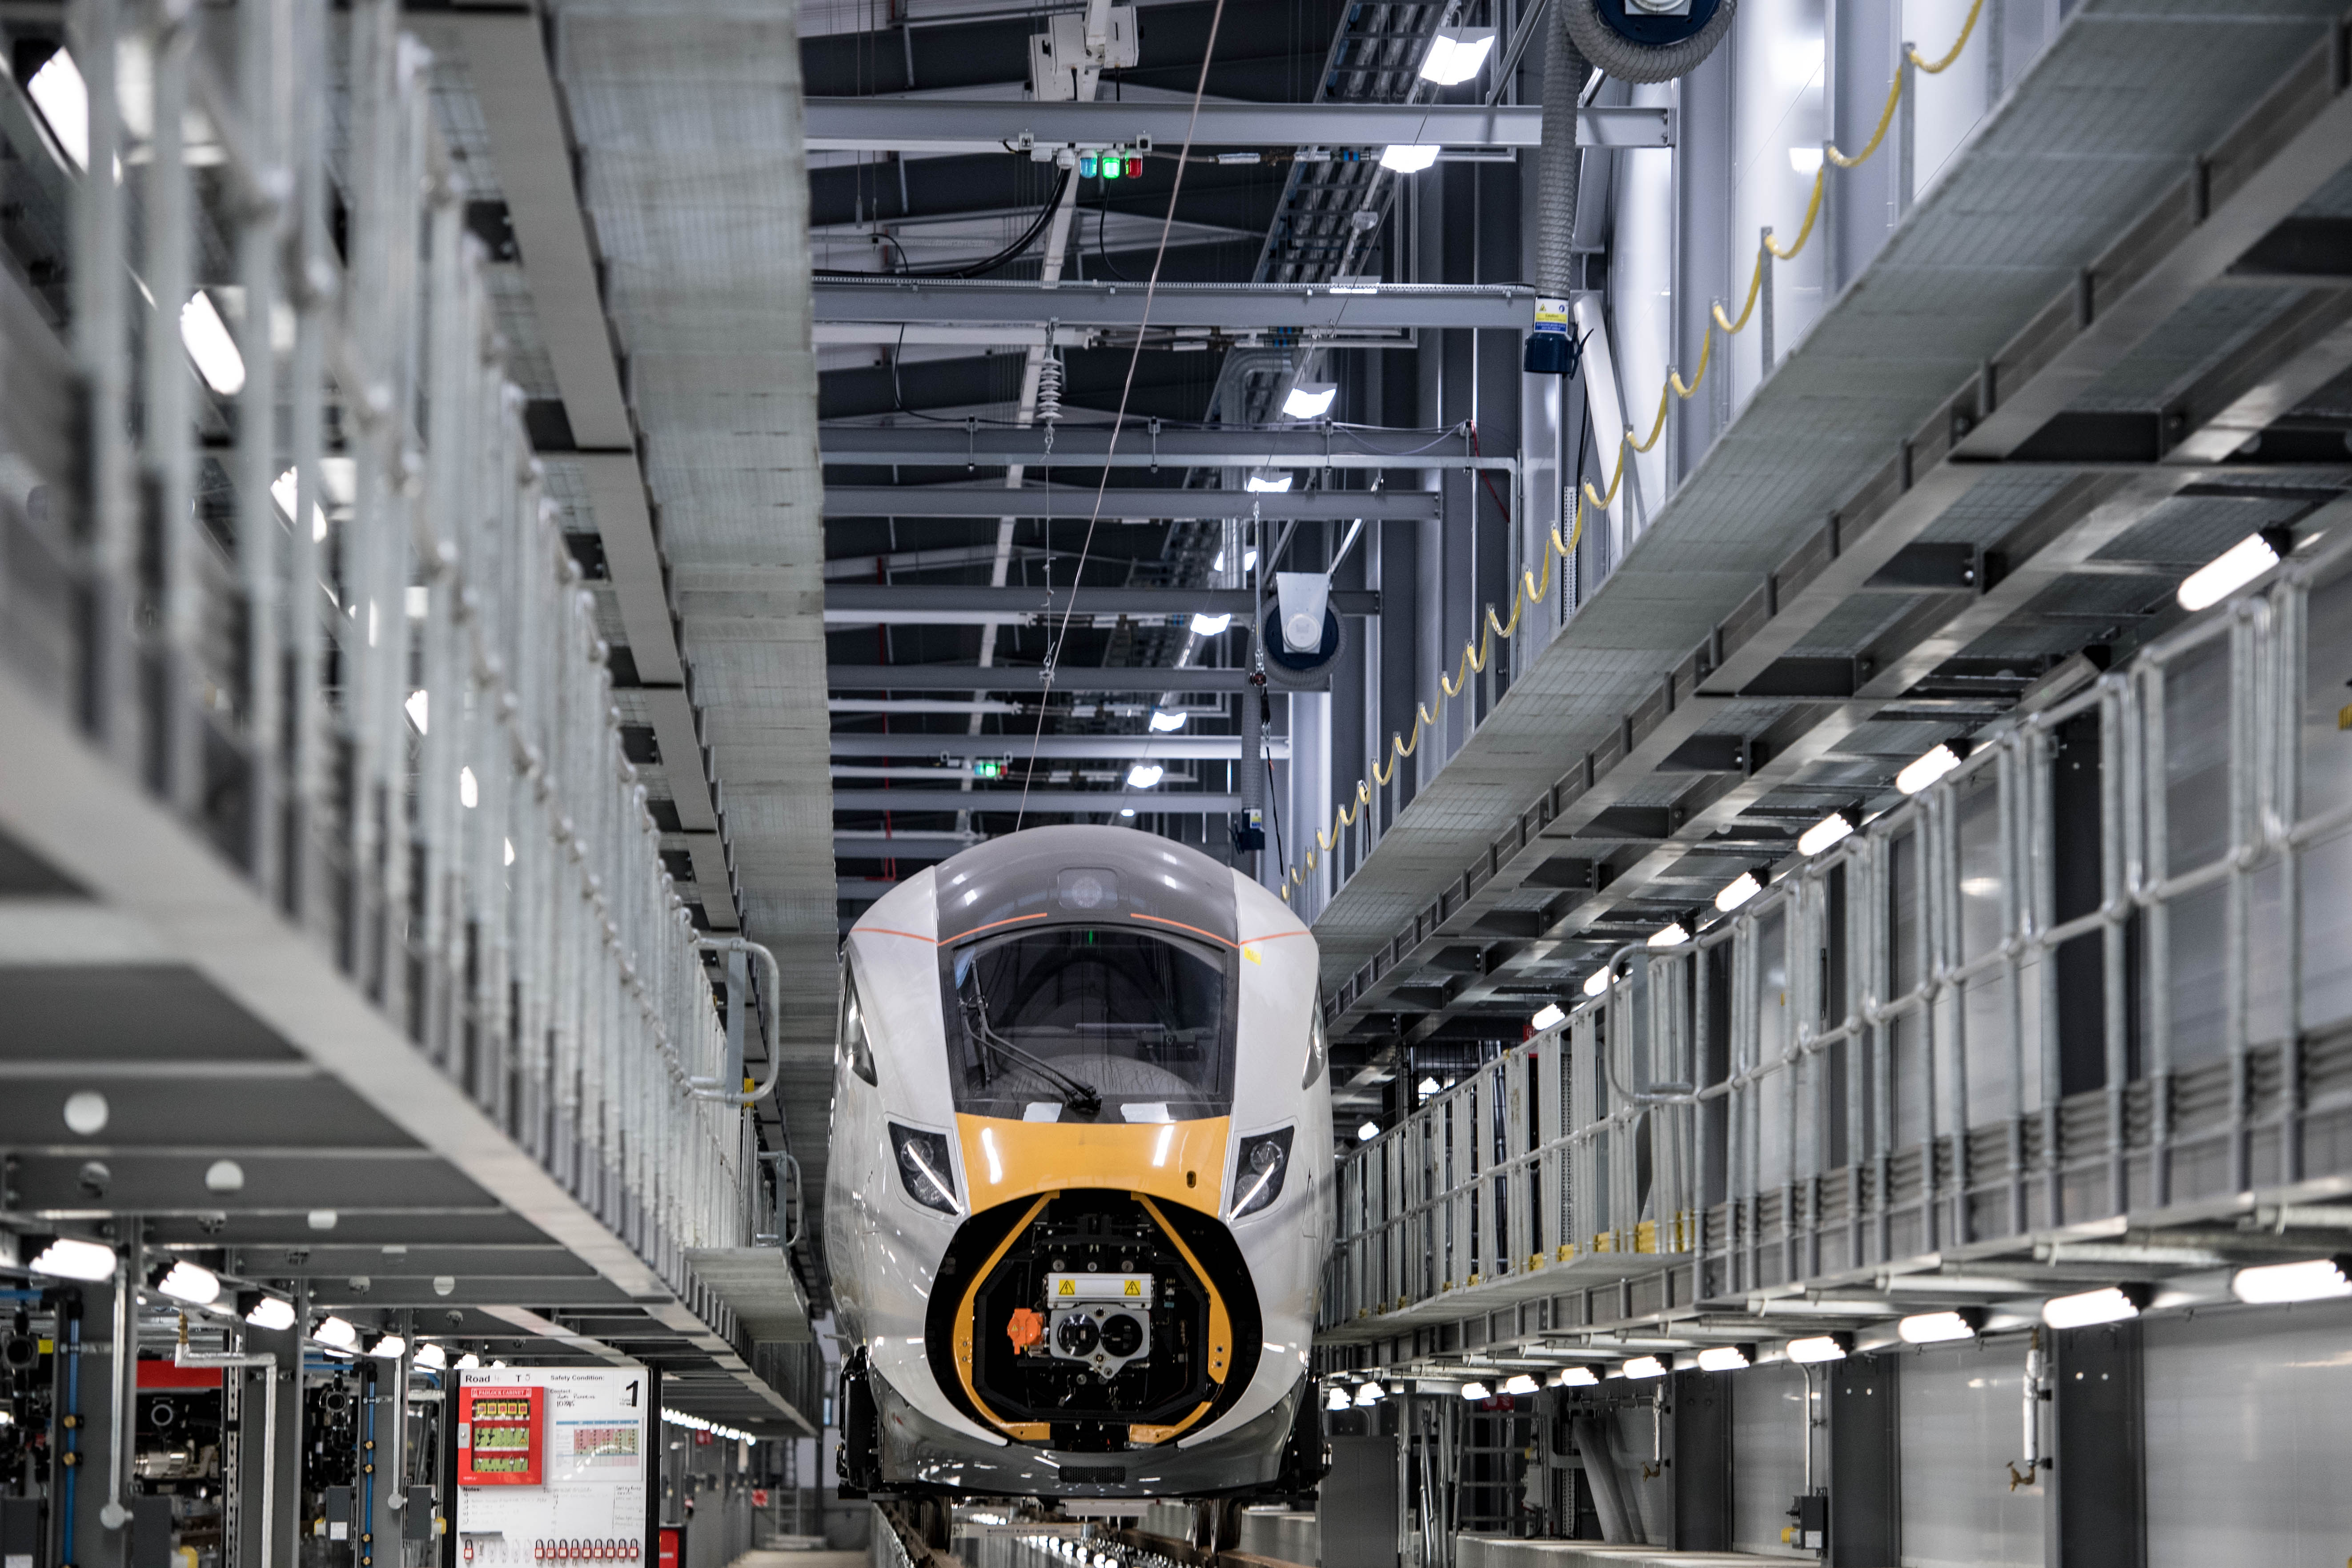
{"points": [[1077, 1093]]}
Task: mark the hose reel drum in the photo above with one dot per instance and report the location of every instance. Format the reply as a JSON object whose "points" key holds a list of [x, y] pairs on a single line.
{"points": [[1303, 636]]}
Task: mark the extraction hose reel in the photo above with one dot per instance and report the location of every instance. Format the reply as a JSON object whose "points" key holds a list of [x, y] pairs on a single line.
{"points": [[1639, 41]]}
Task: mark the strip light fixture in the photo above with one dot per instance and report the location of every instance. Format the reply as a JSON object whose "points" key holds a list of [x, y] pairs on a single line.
{"points": [[1938, 1327], [697, 1424], [2115, 1304]]}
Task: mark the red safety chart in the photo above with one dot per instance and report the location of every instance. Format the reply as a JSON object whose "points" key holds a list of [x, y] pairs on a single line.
{"points": [[499, 1436], [552, 1466]]}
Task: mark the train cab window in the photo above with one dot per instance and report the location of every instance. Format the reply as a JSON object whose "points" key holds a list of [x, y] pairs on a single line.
{"points": [[850, 1044], [1087, 1022]]}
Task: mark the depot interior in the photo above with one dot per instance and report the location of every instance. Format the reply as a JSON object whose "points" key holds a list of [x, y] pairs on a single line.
{"points": [[1772, 581]]}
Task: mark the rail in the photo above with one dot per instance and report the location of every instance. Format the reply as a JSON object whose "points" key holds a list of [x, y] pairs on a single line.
{"points": [[2099, 968], [275, 540]]}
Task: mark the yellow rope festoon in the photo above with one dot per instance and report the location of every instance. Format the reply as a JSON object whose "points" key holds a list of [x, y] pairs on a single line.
{"points": [[1475, 653], [1532, 589], [1830, 155]]}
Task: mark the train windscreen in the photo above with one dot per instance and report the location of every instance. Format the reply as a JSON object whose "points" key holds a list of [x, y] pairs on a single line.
{"points": [[1076, 1022]]}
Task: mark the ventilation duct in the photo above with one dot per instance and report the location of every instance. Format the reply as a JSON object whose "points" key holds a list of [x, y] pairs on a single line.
{"points": [[1638, 41]]}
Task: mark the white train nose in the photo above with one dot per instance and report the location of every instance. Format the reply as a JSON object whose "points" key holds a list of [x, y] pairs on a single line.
{"points": [[1075, 1063]]}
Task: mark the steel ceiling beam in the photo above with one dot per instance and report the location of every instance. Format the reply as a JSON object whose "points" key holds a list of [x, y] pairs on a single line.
{"points": [[869, 603], [981, 125], [896, 335], [1101, 803], [1026, 679], [1140, 447], [902, 845], [1054, 748], [1081, 500], [1222, 307]]}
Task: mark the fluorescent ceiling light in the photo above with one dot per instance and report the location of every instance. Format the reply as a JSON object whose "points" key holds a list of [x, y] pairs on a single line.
{"points": [[1475, 1390], [1671, 934], [2108, 1305], [1408, 158], [1455, 55], [1370, 1393], [1368, 1131], [1427, 1086], [336, 1332], [1575, 1377], [432, 1358], [272, 1312], [67, 1258], [1829, 830], [1805, 160], [1164, 720], [1249, 563], [1210, 625], [1642, 1367], [2227, 572], [1267, 482], [1931, 765], [391, 1347], [208, 343], [1722, 1358], [1520, 1383], [1143, 775], [468, 1362], [1546, 1015], [1816, 1347], [1741, 888], [1309, 400], [2318, 1281], [1127, 811], [1336, 1399], [63, 98], [1935, 1328], [192, 1283], [1596, 983]]}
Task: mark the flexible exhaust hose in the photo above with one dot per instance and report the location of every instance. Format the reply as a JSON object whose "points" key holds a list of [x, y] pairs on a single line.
{"points": [[1583, 39], [1552, 348], [1640, 64], [1564, 73]]}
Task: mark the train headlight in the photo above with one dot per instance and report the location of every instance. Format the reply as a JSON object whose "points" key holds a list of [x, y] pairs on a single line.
{"points": [[925, 1169], [1316, 1048], [1257, 1174]]}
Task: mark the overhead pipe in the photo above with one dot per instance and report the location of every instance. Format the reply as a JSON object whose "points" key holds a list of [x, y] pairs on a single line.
{"points": [[1628, 41], [2036, 1372]]}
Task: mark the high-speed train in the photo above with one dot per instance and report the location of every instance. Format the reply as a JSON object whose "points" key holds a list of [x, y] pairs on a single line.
{"points": [[1079, 1191]]}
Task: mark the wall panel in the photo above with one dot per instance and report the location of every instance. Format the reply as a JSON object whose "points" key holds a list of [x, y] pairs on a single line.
{"points": [[1960, 1430], [2249, 1437]]}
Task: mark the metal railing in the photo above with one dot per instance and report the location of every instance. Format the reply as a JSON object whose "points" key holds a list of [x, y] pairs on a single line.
{"points": [[291, 564], [2100, 967]]}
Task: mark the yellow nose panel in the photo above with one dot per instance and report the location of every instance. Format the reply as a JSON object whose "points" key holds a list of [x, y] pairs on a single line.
{"points": [[1181, 1161]]}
